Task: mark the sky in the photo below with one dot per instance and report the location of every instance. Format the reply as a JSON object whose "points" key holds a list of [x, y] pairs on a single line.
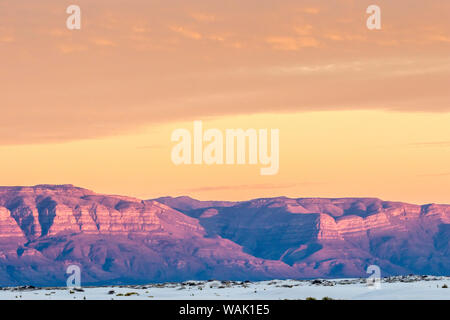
{"points": [[360, 112]]}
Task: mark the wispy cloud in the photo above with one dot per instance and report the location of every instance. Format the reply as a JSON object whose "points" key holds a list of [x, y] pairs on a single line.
{"points": [[279, 57], [71, 48], [187, 33], [440, 38], [203, 17], [310, 10], [141, 28], [7, 39], [102, 42], [292, 43], [304, 29]]}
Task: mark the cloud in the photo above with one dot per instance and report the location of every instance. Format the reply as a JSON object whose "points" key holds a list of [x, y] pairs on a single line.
{"points": [[141, 29], [310, 10], [186, 32], [303, 30], [102, 42], [247, 59], [440, 38], [291, 43], [7, 39], [203, 17], [71, 48]]}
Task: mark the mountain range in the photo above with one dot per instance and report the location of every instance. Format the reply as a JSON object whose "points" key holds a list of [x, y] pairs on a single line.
{"points": [[124, 240]]}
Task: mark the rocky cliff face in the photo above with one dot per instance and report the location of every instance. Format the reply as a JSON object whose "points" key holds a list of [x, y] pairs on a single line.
{"points": [[116, 239], [50, 210], [336, 237]]}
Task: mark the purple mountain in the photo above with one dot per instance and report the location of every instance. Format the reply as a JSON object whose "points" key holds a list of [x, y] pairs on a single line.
{"points": [[124, 240]]}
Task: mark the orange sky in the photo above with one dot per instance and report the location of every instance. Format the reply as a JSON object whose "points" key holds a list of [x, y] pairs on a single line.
{"points": [[360, 113]]}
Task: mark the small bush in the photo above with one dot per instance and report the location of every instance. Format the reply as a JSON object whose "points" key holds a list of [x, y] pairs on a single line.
{"points": [[327, 298], [310, 298], [445, 286]]}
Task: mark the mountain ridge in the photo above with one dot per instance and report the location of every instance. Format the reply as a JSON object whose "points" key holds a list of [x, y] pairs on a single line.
{"points": [[125, 240]]}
